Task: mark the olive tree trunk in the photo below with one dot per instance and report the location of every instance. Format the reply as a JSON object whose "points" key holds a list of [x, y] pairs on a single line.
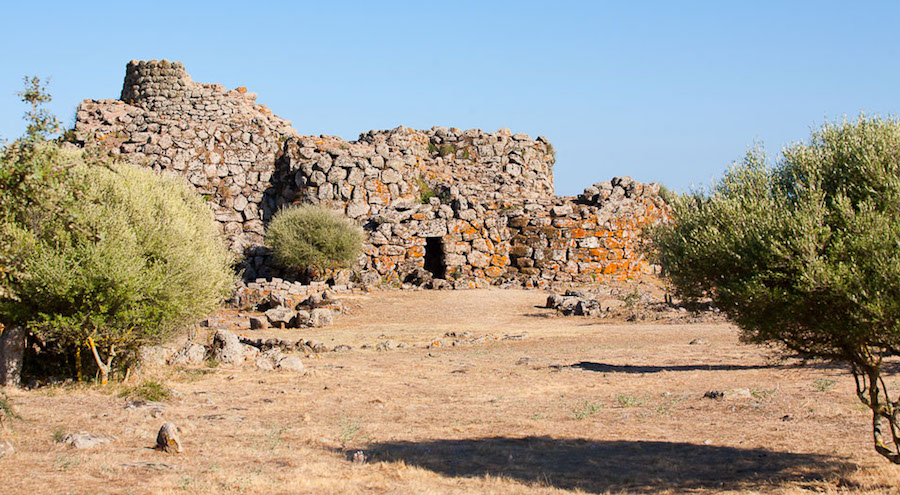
{"points": [[12, 352]]}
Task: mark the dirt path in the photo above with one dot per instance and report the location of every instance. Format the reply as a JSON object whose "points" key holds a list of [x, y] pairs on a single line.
{"points": [[576, 407]]}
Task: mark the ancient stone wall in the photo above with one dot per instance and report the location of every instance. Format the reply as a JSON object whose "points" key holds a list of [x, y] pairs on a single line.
{"points": [[468, 208], [221, 141], [584, 239], [406, 186]]}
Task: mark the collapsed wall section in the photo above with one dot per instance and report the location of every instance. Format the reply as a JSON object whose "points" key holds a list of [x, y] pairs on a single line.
{"points": [[585, 239]]}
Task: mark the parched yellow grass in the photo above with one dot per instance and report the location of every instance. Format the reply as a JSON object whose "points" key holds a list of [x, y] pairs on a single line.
{"points": [[579, 406]]}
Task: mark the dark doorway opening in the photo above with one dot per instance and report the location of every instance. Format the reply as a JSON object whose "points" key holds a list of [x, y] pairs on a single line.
{"points": [[434, 257]]}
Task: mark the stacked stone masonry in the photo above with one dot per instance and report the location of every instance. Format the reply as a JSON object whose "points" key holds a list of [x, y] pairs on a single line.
{"points": [[468, 207]]}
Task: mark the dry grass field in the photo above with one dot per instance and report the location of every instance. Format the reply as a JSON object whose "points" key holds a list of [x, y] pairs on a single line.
{"points": [[579, 406]]}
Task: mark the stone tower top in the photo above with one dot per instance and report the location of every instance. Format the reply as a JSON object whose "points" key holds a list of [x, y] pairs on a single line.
{"points": [[146, 81]]}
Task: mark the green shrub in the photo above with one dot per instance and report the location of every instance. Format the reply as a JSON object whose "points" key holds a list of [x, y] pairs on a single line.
{"points": [[805, 254], [101, 253], [7, 412], [447, 150], [148, 390], [313, 237]]}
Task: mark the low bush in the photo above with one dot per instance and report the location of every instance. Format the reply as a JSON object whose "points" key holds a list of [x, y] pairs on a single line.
{"points": [[148, 390], [103, 254], [311, 236]]}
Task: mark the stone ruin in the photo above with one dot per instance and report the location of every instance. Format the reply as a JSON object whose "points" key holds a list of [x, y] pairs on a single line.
{"points": [[441, 207]]}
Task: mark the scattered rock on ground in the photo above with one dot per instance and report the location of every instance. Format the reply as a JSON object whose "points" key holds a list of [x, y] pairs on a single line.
{"points": [[634, 303], [311, 347], [281, 317], [227, 348], [611, 304], [700, 341], [321, 317], [6, 448], [84, 440], [268, 359], [264, 364], [168, 439], [730, 394], [153, 356], [190, 353], [737, 394], [259, 323], [387, 345], [302, 318], [156, 409], [290, 363], [250, 352]]}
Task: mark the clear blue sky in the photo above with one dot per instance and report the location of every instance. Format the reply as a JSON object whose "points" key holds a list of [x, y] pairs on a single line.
{"points": [[663, 91]]}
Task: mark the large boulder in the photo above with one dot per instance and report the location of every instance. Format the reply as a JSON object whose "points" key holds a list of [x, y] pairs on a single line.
{"points": [[227, 348], [321, 317], [281, 317], [273, 359], [153, 356], [190, 353], [290, 363]]}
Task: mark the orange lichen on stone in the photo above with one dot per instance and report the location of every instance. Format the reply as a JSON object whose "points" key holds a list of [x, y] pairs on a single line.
{"points": [[415, 252], [461, 227], [241, 89], [499, 260], [562, 244], [384, 264], [381, 191], [564, 223], [616, 254], [597, 253], [615, 242], [494, 271], [579, 233], [615, 267]]}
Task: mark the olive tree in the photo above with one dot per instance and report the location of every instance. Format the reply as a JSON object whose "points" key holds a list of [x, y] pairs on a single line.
{"points": [[805, 253], [101, 254]]}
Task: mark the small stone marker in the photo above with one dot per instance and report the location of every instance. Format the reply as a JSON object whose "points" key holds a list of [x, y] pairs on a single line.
{"points": [[168, 440]]}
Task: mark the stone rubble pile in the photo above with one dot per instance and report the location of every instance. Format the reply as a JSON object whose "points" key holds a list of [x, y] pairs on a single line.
{"points": [[232, 350], [630, 304], [454, 338]]}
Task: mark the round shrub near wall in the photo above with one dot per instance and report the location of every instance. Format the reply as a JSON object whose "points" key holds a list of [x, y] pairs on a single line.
{"points": [[303, 237], [106, 254]]}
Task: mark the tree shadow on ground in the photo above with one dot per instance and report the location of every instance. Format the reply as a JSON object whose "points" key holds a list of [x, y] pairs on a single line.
{"points": [[638, 369], [614, 466]]}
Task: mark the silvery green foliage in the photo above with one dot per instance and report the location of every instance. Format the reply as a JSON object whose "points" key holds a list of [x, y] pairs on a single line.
{"points": [[313, 237], [805, 253], [107, 250]]}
